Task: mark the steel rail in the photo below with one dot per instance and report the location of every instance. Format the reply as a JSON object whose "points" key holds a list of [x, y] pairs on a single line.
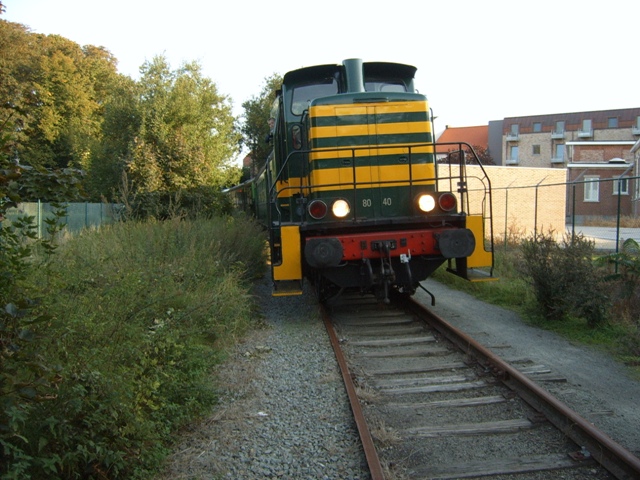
{"points": [[612, 456], [370, 452]]}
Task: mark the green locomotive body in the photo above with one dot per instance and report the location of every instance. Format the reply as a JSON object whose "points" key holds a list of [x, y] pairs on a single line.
{"points": [[351, 194]]}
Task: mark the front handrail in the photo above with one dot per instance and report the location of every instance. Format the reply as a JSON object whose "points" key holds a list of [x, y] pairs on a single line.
{"points": [[462, 188]]}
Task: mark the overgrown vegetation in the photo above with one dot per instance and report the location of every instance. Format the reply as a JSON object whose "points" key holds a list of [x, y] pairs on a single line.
{"points": [[130, 321], [108, 339], [567, 287], [564, 278]]}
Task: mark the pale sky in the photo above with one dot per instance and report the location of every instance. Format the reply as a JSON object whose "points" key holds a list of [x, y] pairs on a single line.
{"points": [[477, 60]]}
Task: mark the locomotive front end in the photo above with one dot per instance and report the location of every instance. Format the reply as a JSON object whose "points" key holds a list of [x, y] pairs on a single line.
{"points": [[356, 188]]}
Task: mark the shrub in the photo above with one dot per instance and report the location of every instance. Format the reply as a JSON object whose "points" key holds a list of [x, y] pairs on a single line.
{"points": [[625, 279], [564, 278]]}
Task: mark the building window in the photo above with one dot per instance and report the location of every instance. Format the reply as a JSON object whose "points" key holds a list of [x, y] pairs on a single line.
{"points": [[621, 185], [537, 127], [513, 154], [536, 149], [559, 152], [586, 130], [514, 129], [559, 126], [591, 188], [612, 122]]}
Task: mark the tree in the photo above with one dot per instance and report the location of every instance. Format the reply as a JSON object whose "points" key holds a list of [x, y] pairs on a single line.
{"points": [[453, 157], [120, 127], [256, 115], [16, 82], [186, 137], [53, 90]]}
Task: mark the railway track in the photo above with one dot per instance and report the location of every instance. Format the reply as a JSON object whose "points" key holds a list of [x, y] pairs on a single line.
{"points": [[430, 402]]}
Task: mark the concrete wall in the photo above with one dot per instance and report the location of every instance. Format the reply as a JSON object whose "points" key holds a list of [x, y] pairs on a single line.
{"points": [[525, 200]]}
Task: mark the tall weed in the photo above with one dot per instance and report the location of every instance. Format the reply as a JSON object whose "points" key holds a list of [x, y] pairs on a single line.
{"points": [[138, 316]]}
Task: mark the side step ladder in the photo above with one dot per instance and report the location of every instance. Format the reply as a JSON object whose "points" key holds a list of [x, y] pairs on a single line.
{"points": [[286, 288], [287, 276]]}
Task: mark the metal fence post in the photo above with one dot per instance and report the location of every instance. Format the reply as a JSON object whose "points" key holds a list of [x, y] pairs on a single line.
{"points": [[506, 216], [535, 213], [39, 219], [573, 213], [618, 223]]}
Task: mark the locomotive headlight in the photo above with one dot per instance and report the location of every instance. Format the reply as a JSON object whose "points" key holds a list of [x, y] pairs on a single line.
{"points": [[426, 203], [340, 208]]}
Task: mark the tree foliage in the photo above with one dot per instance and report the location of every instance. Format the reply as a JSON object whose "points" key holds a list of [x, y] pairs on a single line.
{"points": [[255, 128], [186, 135], [453, 157], [169, 131], [54, 91]]}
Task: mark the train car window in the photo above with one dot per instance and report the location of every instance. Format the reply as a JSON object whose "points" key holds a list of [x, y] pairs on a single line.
{"points": [[303, 94]]}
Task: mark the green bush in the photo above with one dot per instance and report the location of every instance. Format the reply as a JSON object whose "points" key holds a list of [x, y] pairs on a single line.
{"points": [[564, 277], [135, 317], [625, 275]]}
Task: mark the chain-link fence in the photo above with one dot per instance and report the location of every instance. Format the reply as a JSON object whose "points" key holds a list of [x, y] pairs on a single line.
{"points": [[525, 201], [78, 215], [604, 210], [602, 205]]}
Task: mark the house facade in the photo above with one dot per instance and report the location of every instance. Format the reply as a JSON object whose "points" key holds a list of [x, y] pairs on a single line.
{"points": [[601, 180]]}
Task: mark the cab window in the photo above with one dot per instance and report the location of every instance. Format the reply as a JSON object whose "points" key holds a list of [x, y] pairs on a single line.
{"points": [[385, 86], [304, 94]]}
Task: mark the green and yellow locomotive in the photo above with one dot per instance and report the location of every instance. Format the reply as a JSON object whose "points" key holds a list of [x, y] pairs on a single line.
{"points": [[351, 194]]}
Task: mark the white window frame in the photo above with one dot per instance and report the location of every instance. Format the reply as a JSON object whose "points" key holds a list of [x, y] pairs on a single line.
{"points": [[591, 188], [513, 153], [625, 185]]}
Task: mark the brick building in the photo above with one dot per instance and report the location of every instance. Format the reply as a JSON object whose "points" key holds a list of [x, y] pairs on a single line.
{"points": [[541, 140], [593, 148], [601, 179]]}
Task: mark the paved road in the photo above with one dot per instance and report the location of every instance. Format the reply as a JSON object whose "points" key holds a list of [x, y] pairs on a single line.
{"points": [[605, 237]]}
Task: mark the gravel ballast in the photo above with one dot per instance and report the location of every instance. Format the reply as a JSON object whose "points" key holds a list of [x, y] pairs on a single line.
{"points": [[284, 412]]}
